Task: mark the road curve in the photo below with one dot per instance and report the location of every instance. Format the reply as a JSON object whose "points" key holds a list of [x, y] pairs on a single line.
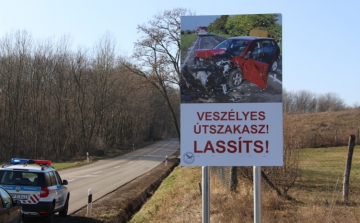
{"points": [[107, 175]]}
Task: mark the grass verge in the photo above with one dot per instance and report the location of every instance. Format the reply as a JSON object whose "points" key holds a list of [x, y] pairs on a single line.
{"points": [[177, 192], [60, 166], [317, 193], [186, 41]]}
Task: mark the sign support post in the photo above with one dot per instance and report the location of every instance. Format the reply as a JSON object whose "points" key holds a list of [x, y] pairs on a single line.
{"points": [[205, 195], [257, 193], [226, 122]]}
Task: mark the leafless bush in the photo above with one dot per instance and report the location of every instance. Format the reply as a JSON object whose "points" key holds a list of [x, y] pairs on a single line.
{"points": [[282, 178], [307, 102]]}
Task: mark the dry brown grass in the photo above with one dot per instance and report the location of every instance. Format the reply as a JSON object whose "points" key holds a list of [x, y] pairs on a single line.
{"points": [[326, 125], [317, 192], [182, 204]]}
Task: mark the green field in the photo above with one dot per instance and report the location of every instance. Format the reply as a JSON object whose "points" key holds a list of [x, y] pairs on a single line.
{"points": [[322, 174]]}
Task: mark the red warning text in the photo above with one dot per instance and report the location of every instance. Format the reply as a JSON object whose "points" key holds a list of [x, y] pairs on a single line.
{"points": [[232, 146], [231, 116], [231, 129]]}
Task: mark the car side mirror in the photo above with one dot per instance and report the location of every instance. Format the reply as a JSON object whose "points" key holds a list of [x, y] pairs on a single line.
{"points": [[8, 204], [17, 203], [65, 182]]}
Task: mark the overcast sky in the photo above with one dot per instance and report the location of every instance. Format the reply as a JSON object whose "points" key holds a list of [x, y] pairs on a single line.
{"points": [[320, 38]]}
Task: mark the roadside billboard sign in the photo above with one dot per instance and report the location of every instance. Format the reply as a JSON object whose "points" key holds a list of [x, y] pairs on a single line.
{"points": [[231, 93]]}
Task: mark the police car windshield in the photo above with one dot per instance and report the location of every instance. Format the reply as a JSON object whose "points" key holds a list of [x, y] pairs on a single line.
{"points": [[21, 178]]}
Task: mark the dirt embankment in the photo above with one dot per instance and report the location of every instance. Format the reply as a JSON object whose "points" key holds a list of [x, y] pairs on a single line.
{"points": [[121, 204]]}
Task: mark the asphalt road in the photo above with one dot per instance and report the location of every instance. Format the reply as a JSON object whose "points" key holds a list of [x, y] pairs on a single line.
{"points": [[107, 175], [246, 92]]}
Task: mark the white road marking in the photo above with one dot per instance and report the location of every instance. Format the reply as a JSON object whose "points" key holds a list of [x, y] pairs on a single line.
{"points": [[85, 176], [97, 172]]}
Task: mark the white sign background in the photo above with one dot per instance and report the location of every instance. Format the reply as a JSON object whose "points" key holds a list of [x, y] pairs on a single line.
{"points": [[231, 134]]}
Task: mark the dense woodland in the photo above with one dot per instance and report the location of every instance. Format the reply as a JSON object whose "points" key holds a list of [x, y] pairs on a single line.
{"points": [[57, 103]]}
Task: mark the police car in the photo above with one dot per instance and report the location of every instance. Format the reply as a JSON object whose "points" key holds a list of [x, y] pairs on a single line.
{"points": [[37, 185]]}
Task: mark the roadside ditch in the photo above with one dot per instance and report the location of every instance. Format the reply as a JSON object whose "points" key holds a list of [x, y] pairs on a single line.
{"points": [[121, 204]]}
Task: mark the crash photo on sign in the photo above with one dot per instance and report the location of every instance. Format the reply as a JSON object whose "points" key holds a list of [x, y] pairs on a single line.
{"points": [[231, 90], [233, 64]]}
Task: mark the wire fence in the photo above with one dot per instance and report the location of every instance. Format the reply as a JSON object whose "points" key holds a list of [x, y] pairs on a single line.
{"points": [[321, 173], [226, 175], [222, 174]]}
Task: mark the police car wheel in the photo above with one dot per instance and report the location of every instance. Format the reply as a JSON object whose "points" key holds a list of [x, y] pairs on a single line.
{"points": [[64, 211], [50, 216]]}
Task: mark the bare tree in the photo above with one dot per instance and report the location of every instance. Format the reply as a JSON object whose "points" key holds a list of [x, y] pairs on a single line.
{"points": [[58, 104], [157, 54], [307, 102], [15, 64], [59, 89], [330, 102], [356, 105], [281, 179], [41, 65], [304, 102], [288, 101]]}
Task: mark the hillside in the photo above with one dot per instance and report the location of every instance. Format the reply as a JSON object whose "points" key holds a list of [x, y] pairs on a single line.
{"points": [[316, 194], [325, 128]]}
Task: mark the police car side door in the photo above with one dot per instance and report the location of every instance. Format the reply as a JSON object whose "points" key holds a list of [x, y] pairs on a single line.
{"points": [[61, 192], [53, 189]]}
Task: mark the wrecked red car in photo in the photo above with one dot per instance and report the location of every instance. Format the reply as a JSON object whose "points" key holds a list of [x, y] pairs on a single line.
{"points": [[236, 59]]}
